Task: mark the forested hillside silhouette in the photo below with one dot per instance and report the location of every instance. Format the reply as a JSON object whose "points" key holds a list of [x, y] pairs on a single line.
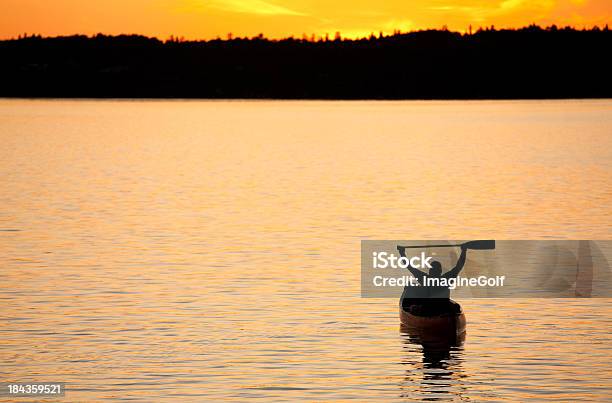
{"points": [[531, 62]]}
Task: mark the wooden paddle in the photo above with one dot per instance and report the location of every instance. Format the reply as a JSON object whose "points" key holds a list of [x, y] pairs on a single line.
{"points": [[476, 245]]}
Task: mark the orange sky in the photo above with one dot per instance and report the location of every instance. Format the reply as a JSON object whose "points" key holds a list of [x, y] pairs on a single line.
{"points": [[279, 18]]}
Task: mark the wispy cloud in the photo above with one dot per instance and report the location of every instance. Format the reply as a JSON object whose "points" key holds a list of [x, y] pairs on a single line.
{"points": [[260, 7], [513, 4]]}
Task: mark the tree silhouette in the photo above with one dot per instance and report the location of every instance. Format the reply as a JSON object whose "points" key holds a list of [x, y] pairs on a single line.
{"points": [[531, 62]]}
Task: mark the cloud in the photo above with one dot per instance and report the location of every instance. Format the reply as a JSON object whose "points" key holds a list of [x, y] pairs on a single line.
{"points": [[510, 4], [259, 7], [514, 4]]}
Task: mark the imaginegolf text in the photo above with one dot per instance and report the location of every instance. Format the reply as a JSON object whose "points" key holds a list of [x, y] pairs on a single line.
{"points": [[451, 283]]}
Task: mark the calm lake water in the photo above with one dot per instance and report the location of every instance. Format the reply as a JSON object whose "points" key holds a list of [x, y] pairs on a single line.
{"points": [[198, 250]]}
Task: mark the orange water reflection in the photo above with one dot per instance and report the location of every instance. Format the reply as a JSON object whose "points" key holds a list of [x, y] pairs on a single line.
{"points": [[187, 250]]}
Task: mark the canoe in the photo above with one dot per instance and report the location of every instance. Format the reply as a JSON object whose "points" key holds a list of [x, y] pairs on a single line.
{"points": [[448, 325]]}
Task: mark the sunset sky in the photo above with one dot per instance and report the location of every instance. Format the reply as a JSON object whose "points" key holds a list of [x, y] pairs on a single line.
{"points": [[205, 19]]}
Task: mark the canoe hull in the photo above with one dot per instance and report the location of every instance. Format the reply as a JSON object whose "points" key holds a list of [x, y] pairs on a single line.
{"points": [[447, 328]]}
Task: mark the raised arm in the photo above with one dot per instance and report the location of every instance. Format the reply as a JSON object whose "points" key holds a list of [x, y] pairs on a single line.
{"points": [[460, 263], [415, 272]]}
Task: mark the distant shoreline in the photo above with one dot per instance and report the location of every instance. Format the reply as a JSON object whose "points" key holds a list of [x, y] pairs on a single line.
{"points": [[91, 98], [527, 63]]}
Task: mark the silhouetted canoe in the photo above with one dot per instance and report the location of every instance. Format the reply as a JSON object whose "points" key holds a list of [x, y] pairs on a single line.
{"points": [[448, 325]]}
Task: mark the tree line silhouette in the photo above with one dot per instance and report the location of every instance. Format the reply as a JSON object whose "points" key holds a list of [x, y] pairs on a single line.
{"points": [[530, 62]]}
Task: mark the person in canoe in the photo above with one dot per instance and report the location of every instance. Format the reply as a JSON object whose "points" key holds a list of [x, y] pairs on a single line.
{"points": [[431, 300]]}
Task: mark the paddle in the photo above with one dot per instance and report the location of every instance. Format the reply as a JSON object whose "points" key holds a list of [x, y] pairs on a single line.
{"points": [[476, 245]]}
